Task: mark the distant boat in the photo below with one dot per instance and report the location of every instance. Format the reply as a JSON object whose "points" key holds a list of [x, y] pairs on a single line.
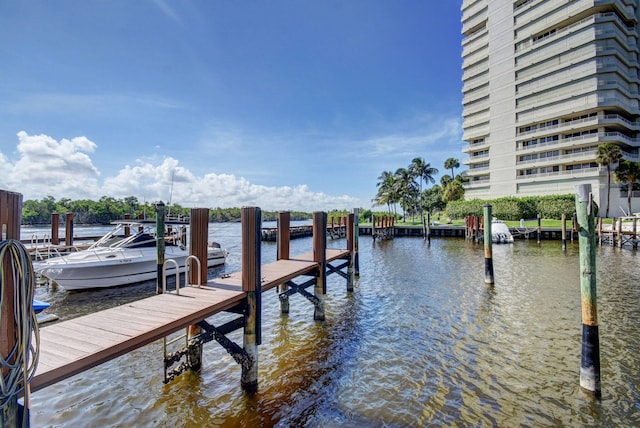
{"points": [[121, 257], [500, 233]]}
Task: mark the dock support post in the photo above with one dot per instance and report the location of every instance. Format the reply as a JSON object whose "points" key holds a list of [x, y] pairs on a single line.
{"points": [[251, 259], [590, 361], [283, 239], [356, 237], [320, 257], [539, 229], [488, 241], [564, 232], [10, 215], [55, 229], [160, 246], [428, 227], [198, 243], [69, 231], [619, 232], [350, 238]]}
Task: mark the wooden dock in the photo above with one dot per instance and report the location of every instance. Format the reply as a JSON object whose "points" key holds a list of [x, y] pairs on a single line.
{"points": [[70, 347]]}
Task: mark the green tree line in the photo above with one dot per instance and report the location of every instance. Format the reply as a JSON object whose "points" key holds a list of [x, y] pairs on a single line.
{"points": [[107, 209]]}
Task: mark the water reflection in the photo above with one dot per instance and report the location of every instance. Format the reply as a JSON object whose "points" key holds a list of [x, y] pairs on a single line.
{"points": [[421, 341]]}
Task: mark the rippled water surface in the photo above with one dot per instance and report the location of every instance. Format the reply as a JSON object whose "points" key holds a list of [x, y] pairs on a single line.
{"points": [[422, 341]]}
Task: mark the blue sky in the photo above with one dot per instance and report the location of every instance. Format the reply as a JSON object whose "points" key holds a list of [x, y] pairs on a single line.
{"points": [[279, 104]]}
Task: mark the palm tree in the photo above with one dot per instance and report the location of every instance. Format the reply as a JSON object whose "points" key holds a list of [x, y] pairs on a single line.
{"points": [[450, 164], [424, 171], [628, 172], [386, 190], [405, 187], [608, 153]]}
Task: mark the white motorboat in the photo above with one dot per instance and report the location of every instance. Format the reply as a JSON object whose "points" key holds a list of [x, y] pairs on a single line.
{"points": [[500, 233], [122, 257]]}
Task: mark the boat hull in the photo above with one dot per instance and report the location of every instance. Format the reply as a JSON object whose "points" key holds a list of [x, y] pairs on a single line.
{"points": [[99, 269]]}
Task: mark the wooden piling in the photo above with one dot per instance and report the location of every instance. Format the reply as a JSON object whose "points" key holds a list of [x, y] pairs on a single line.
{"points": [[590, 361], [198, 246], [251, 284], [350, 238], [574, 222], [127, 228], [55, 229], [599, 220], [69, 231], [356, 237], [10, 216], [320, 257], [564, 232], [283, 240], [160, 246], [619, 232], [428, 227], [488, 256], [613, 231], [539, 228]]}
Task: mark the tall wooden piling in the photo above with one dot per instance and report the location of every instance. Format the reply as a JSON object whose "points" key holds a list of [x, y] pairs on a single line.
{"points": [[198, 246], [69, 231], [428, 227], [356, 237], [320, 257], [564, 232], [160, 245], [590, 361], [55, 229], [251, 259], [350, 238], [10, 216], [283, 240], [488, 254], [539, 228]]}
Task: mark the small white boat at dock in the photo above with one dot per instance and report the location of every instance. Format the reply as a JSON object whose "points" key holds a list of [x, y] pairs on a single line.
{"points": [[125, 255], [500, 233]]}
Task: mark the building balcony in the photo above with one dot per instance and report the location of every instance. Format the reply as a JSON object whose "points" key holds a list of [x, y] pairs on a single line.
{"points": [[562, 175], [613, 137], [560, 159], [482, 181]]}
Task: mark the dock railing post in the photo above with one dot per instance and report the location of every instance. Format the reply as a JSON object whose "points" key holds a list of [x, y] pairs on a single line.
{"points": [[320, 257], [10, 216], [160, 246], [69, 231], [251, 259], [590, 361], [198, 246], [488, 241], [283, 246], [55, 229], [350, 221], [356, 238]]}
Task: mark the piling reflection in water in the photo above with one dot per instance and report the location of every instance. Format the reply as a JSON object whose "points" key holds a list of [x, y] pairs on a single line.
{"points": [[422, 340]]}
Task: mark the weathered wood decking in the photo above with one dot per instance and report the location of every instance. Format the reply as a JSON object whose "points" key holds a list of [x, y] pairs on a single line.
{"points": [[72, 346]]}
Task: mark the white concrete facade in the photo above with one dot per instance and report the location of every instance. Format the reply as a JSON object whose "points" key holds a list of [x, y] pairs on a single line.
{"points": [[545, 82]]}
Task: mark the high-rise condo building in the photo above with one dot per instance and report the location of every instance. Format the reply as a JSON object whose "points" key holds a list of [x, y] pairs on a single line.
{"points": [[545, 82]]}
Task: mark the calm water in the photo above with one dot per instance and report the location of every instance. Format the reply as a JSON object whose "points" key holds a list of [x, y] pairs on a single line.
{"points": [[422, 341]]}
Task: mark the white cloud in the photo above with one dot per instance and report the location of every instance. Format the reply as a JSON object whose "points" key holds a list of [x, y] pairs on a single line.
{"points": [[64, 169]]}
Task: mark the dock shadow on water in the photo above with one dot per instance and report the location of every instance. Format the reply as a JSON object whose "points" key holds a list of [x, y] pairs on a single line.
{"points": [[422, 341]]}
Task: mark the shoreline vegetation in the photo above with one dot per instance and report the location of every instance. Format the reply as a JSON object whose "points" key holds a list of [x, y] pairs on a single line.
{"points": [[509, 209]]}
